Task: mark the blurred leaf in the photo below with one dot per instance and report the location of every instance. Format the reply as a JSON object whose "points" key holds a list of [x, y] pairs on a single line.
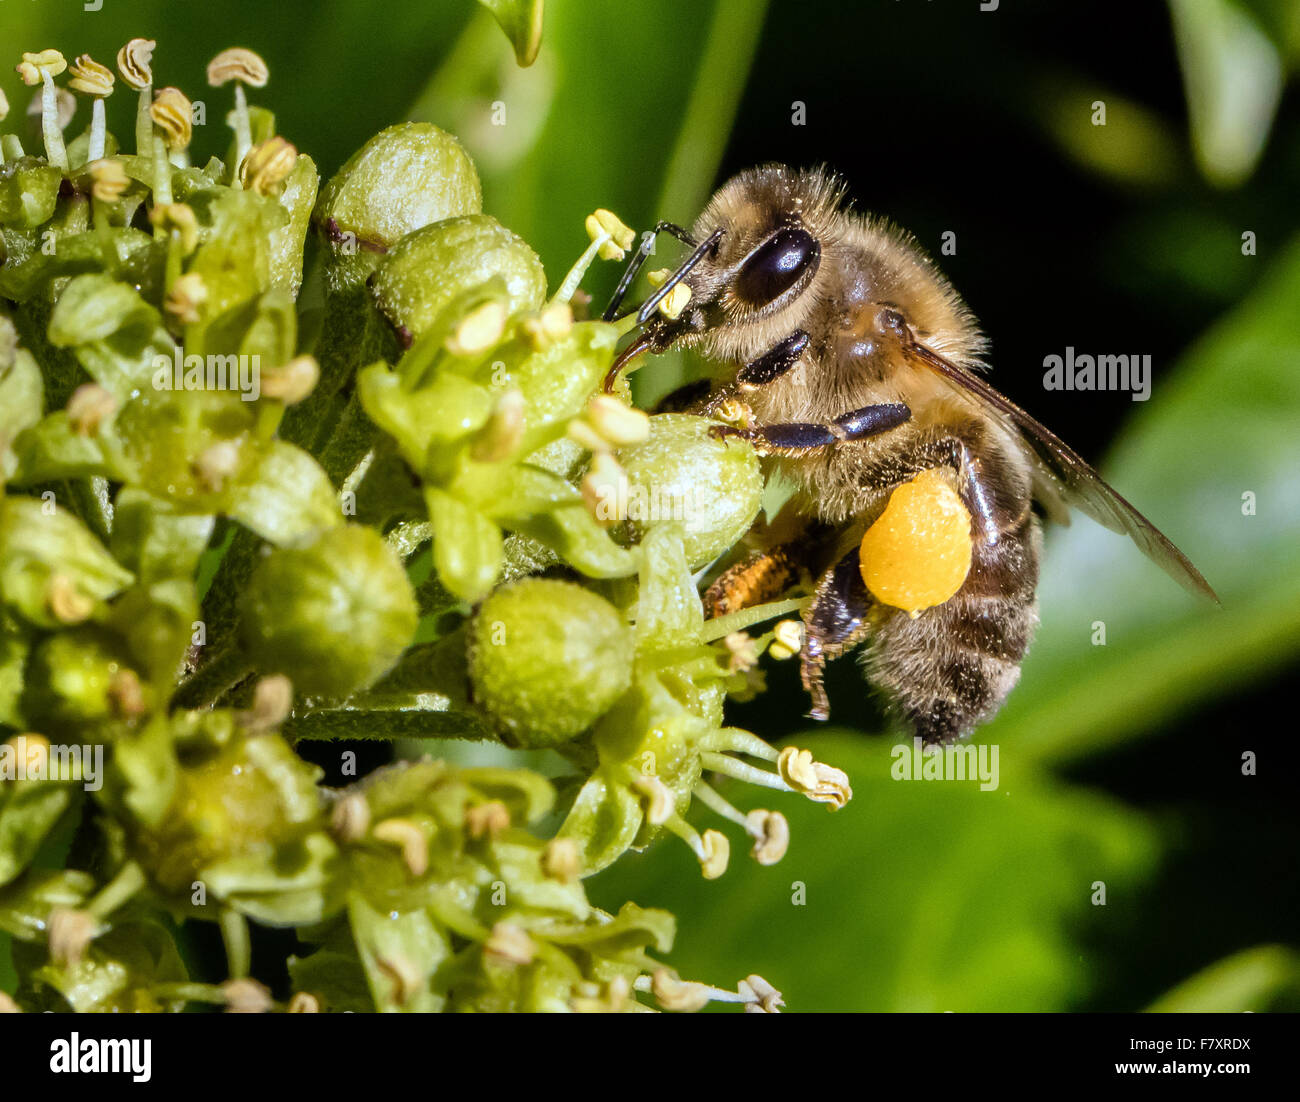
{"points": [[522, 22], [1233, 76], [1221, 426], [934, 896], [1254, 979], [1134, 146], [545, 170]]}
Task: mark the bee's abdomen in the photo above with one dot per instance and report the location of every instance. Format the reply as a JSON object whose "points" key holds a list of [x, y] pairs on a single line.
{"points": [[951, 668]]}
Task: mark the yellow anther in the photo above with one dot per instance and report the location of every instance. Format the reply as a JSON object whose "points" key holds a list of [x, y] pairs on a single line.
{"points": [[715, 853], [238, 64], [108, 180], [35, 67], [680, 995], [510, 944], [618, 236], [478, 331], [771, 834], [658, 799], [822, 783], [173, 114], [177, 218], [90, 77], [267, 165], [787, 639], [291, 382], [487, 820], [617, 423], [186, 298], [66, 602], [561, 860], [88, 408], [134, 60]]}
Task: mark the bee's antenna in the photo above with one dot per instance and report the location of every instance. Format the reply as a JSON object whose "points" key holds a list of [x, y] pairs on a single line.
{"points": [[708, 245], [639, 258]]}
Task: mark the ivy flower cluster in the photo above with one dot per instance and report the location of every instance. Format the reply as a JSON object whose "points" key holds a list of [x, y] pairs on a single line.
{"points": [[236, 515]]}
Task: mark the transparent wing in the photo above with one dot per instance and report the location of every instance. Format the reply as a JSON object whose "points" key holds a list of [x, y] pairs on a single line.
{"points": [[1075, 481]]}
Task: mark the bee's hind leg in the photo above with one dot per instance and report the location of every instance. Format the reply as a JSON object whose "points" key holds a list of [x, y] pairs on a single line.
{"points": [[764, 577], [836, 621]]}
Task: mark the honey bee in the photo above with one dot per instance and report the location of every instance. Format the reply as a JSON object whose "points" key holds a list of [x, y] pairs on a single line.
{"points": [[862, 368]]}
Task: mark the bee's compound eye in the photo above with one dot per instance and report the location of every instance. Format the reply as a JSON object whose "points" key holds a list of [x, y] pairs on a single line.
{"points": [[776, 266]]}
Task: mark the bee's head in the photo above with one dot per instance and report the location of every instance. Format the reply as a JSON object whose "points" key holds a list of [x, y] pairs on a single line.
{"points": [[774, 225]]}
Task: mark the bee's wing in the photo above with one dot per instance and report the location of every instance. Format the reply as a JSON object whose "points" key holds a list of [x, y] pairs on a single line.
{"points": [[1073, 480]]}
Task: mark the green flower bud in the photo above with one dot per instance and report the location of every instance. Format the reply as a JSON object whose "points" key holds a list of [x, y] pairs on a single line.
{"points": [[404, 178], [71, 677], [52, 570], [433, 266], [547, 659], [709, 489], [334, 616], [240, 802]]}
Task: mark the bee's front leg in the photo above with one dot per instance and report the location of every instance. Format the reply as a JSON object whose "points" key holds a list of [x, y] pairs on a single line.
{"points": [[770, 366], [794, 437], [834, 622]]}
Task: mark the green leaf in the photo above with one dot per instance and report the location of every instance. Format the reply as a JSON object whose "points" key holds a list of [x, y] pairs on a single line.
{"points": [[522, 22], [1233, 75], [1260, 979]]}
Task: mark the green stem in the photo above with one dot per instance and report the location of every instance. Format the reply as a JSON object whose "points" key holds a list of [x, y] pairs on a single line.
{"points": [[55, 152], [189, 992], [162, 172], [144, 123], [239, 946], [213, 678], [243, 133], [88, 498], [129, 880], [98, 129], [747, 617], [742, 771]]}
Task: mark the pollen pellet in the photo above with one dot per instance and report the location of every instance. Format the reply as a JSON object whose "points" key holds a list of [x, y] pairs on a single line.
{"points": [[917, 554]]}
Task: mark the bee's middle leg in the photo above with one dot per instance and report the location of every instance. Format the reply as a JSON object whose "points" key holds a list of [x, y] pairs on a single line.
{"points": [[835, 621], [797, 437]]}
